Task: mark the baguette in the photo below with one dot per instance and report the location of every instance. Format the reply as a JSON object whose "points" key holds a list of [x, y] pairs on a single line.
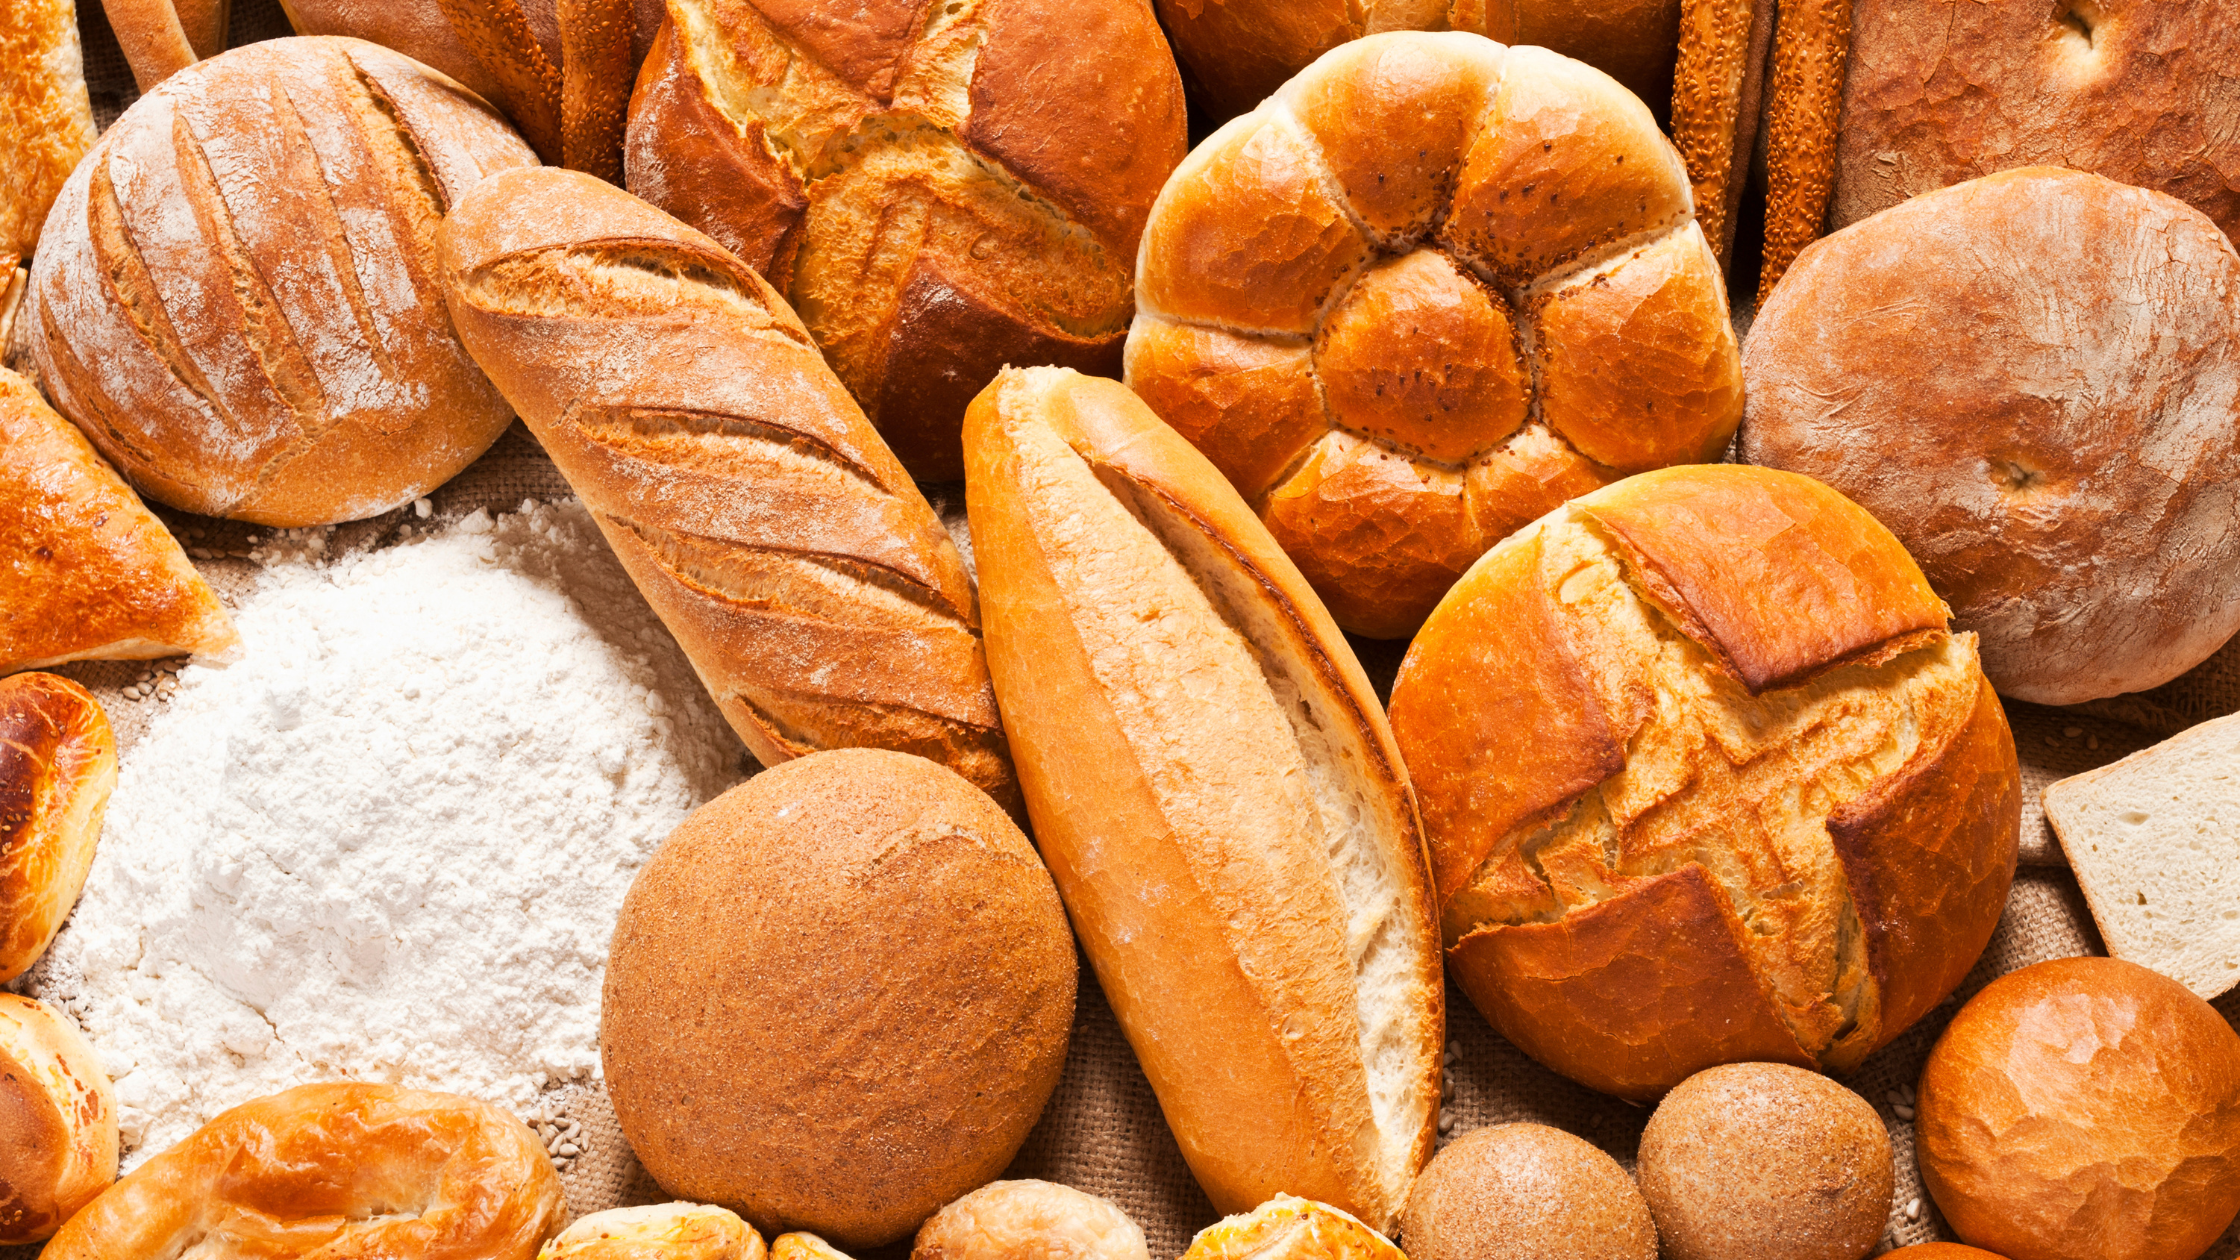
{"points": [[50, 122], [1216, 792], [811, 585], [159, 38]]}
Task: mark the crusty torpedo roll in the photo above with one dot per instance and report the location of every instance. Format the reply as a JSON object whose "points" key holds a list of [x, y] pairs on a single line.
{"points": [[1216, 791]]}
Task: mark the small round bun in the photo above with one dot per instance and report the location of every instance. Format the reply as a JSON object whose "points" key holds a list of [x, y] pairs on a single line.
{"points": [[2084, 1109], [667, 1231], [1290, 1228], [58, 1119], [838, 998], [802, 1246], [58, 763], [1940, 1251], [1030, 1220], [1526, 1192], [1762, 1161]]}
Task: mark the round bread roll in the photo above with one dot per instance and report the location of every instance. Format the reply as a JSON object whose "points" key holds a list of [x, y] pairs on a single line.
{"points": [[58, 1121], [838, 998], [1940, 1251], [1706, 780], [1526, 1192], [342, 1169], [1290, 1228], [938, 191], [800, 1246], [236, 296], [668, 1231], [2032, 380], [2084, 1109], [1762, 1161], [58, 762], [1402, 350], [1030, 1220]]}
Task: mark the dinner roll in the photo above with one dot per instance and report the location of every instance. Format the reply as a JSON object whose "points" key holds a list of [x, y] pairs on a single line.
{"points": [[235, 296], [669, 1231], [2032, 379], [838, 998], [1706, 779], [58, 1121], [2084, 1109], [1400, 351], [1290, 1228], [800, 1246], [1030, 1220], [58, 763], [1940, 1251], [1526, 1192], [1762, 1161], [341, 1169], [938, 191]]}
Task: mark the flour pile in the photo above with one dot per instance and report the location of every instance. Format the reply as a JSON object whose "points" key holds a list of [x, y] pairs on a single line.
{"points": [[390, 841]]}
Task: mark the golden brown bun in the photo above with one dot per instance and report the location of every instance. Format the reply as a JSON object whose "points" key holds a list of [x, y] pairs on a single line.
{"points": [[343, 1169], [1706, 780], [1939, 1251], [58, 1119], [800, 1246], [670, 1231], [1288, 1228], [1218, 796], [50, 118], [1762, 1161], [2047, 425], [86, 571], [938, 191], [814, 590], [249, 325], [1718, 98], [1526, 1192], [569, 102], [1030, 1220], [1399, 361], [1802, 110], [2084, 1109], [2138, 91], [840, 995], [58, 763]]}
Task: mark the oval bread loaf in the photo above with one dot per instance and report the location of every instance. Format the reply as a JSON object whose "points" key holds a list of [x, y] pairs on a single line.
{"points": [[58, 1116], [58, 763]]}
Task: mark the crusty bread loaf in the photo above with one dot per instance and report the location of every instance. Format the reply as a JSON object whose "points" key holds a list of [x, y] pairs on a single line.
{"points": [[50, 118], [58, 1115], [1290, 1228], [1526, 1192], [2084, 1109], [2032, 379], [840, 995], [1217, 794], [1718, 99], [814, 590], [159, 38], [236, 299], [1030, 1220], [86, 571], [348, 1169], [1398, 360], [1706, 780], [939, 190], [1803, 106], [668, 1231], [419, 30], [569, 104], [58, 763]]}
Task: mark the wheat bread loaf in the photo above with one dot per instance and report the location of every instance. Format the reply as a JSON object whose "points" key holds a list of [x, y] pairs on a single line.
{"points": [[58, 1116], [58, 764]]}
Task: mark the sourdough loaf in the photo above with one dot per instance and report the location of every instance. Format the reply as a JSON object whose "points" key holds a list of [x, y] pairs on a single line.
{"points": [[50, 119], [58, 763], [59, 1114]]}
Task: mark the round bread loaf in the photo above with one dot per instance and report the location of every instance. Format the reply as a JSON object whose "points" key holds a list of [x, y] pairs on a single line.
{"points": [[1526, 1192], [1428, 291], [2032, 380], [58, 762], [58, 1121], [1706, 780], [1030, 1220], [236, 297], [839, 996], [2084, 1109], [937, 190], [1762, 1161], [668, 1231]]}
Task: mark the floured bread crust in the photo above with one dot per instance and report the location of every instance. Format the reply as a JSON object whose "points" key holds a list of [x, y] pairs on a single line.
{"points": [[50, 118]]}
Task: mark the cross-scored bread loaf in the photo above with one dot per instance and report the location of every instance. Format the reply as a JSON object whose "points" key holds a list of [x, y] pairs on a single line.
{"points": [[939, 187], [1400, 350], [811, 585]]}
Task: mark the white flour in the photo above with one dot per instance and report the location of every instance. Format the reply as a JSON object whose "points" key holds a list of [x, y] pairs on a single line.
{"points": [[389, 842]]}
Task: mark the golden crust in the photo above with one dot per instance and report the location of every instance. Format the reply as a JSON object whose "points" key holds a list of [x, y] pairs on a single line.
{"points": [[1810, 46], [670, 1231], [1716, 106], [1291, 1228], [58, 763], [1029, 1220], [60, 1117], [50, 117]]}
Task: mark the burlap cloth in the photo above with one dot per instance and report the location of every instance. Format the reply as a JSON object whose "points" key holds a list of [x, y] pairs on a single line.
{"points": [[1103, 1131]]}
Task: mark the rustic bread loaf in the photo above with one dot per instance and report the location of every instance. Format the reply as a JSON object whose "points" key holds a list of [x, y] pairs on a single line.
{"points": [[2032, 379], [2084, 1109], [814, 590], [1526, 1192], [938, 190], [1214, 787], [236, 295], [58, 763], [159, 38], [419, 30], [1030, 1220], [1706, 780], [1718, 100], [50, 119], [59, 1116], [345, 1168], [1398, 359], [1289, 1228], [668, 1231]]}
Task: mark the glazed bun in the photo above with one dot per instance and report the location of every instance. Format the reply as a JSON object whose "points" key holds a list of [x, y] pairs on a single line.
{"points": [[59, 1116], [1526, 1192], [667, 1231], [58, 764], [1030, 1220]]}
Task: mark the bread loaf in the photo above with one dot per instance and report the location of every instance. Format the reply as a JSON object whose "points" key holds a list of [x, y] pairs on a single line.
{"points": [[669, 1231], [50, 119], [1526, 1192], [58, 763], [1706, 779], [419, 30], [938, 190], [1029, 1220], [236, 296], [1214, 787], [159, 38], [1718, 98], [812, 587], [59, 1116], [1291, 1228], [569, 106], [1804, 105]]}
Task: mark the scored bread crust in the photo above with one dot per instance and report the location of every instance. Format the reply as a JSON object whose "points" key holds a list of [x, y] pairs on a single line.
{"points": [[58, 763], [60, 1116], [1706, 780], [806, 578], [1217, 794], [50, 117]]}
